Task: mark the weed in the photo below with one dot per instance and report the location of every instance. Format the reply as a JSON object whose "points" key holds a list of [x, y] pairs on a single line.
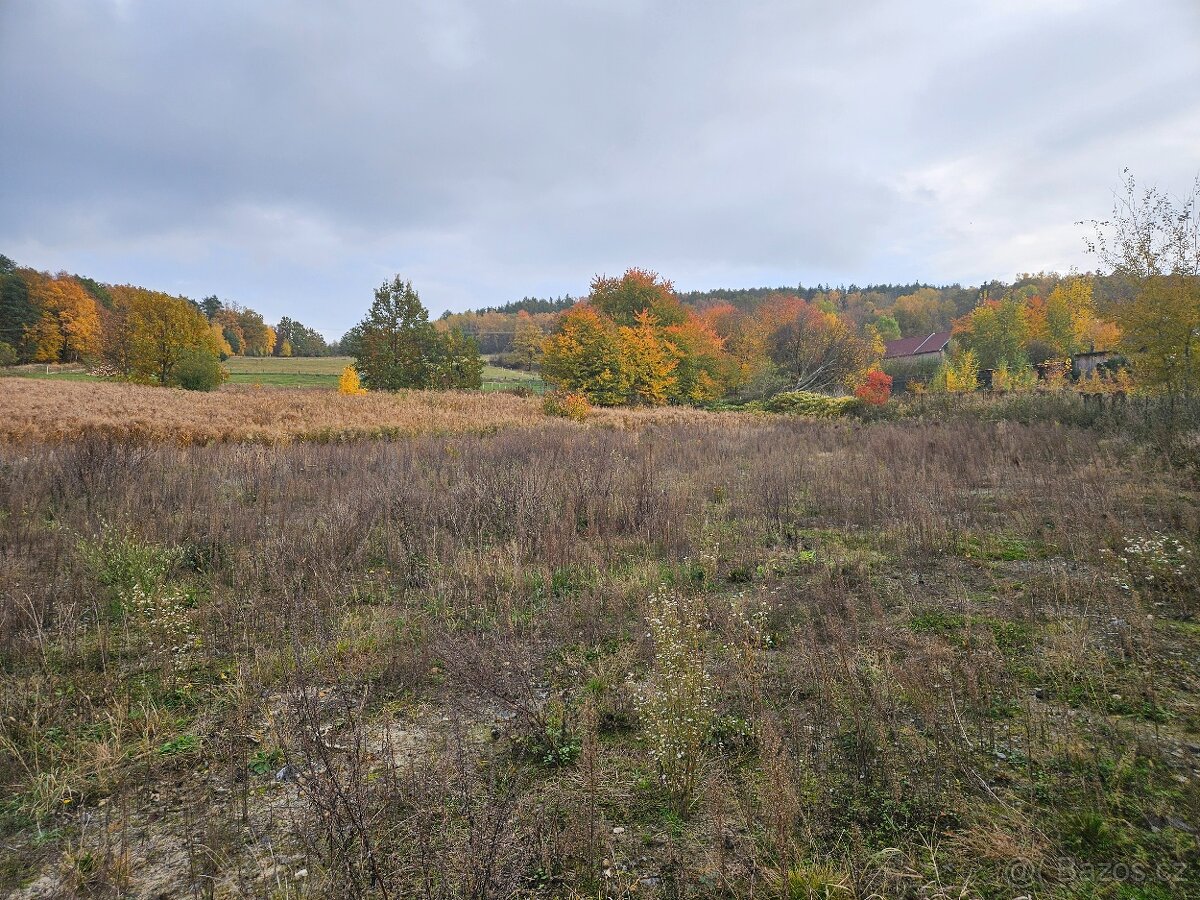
{"points": [[676, 707], [185, 743]]}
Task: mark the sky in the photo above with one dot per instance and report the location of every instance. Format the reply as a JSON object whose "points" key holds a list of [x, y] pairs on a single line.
{"points": [[291, 155]]}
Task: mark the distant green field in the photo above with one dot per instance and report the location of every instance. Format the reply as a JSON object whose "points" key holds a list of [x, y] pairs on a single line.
{"points": [[30, 372], [266, 366], [281, 371], [324, 371], [297, 372]]}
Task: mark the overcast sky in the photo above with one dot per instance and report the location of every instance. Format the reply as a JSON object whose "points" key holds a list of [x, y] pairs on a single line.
{"points": [[292, 154]]}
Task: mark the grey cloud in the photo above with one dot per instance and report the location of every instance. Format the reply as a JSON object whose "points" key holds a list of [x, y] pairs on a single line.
{"points": [[293, 154]]}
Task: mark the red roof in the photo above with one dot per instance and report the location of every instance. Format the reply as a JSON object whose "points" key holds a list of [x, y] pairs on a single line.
{"points": [[915, 346]]}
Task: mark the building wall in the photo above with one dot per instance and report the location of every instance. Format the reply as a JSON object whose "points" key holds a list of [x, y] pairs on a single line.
{"points": [[1086, 363]]}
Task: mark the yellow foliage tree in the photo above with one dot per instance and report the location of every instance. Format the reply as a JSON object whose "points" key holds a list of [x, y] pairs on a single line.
{"points": [[1018, 379], [161, 329], [1160, 334], [585, 356], [1151, 246], [348, 383], [1066, 321], [649, 361], [958, 374], [44, 338], [527, 340], [218, 336], [63, 306], [228, 320], [706, 371]]}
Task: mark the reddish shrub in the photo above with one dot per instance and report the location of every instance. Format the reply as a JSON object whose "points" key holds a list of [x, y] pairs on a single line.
{"points": [[875, 389]]}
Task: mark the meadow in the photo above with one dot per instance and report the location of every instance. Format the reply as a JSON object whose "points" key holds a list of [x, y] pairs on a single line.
{"points": [[286, 372], [323, 372], [468, 650]]}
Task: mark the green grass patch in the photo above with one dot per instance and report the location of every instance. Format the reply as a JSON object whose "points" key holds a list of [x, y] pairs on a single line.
{"points": [[288, 365], [324, 372], [936, 621], [997, 548], [60, 376], [185, 743]]}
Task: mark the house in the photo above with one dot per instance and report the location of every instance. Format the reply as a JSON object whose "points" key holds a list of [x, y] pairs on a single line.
{"points": [[1086, 363], [917, 349]]}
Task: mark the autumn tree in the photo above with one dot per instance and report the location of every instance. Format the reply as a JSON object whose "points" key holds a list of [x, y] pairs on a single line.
{"points": [[231, 328], [43, 338], [163, 330], [1151, 244], [996, 331], [649, 361], [638, 290], [1066, 322], [957, 374], [79, 319], [705, 371], [117, 351], [528, 338], [67, 323], [875, 389], [349, 382], [816, 350], [224, 350], [585, 356], [258, 338], [924, 311]]}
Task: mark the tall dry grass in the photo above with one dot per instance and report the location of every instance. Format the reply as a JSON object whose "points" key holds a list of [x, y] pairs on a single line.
{"points": [[34, 410], [924, 665], [38, 410]]}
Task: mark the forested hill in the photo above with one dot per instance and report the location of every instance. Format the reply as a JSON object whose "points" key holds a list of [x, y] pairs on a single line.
{"points": [[892, 310], [525, 304], [748, 298]]}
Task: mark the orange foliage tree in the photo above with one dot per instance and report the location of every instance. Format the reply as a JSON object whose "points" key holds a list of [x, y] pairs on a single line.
{"points": [[632, 341], [814, 349], [705, 371], [68, 322], [638, 290]]}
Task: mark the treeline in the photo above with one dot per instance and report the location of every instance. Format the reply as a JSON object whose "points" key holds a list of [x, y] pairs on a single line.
{"points": [[131, 331], [893, 310], [633, 341], [658, 345]]}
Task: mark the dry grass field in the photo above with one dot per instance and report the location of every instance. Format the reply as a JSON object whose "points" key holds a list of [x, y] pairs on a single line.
{"points": [[39, 410], [42, 411], [653, 655]]}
